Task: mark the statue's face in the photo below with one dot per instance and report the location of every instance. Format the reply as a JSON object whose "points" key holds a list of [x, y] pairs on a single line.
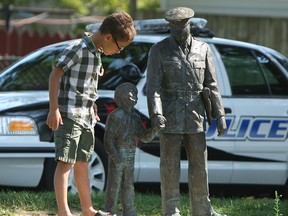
{"points": [[130, 98], [179, 32]]}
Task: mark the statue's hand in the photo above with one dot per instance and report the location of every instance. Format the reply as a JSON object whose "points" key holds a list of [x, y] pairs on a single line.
{"points": [[158, 122], [221, 125]]}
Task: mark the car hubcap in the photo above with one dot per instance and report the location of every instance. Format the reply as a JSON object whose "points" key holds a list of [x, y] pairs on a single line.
{"points": [[96, 174]]}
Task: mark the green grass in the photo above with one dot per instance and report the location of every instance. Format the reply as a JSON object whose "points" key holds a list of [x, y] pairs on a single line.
{"points": [[148, 204]]}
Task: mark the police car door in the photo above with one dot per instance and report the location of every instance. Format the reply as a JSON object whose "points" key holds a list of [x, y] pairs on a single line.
{"points": [[258, 122], [220, 163]]}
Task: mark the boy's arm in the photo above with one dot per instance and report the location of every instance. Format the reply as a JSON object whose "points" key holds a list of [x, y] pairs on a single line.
{"points": [[54, 117]]}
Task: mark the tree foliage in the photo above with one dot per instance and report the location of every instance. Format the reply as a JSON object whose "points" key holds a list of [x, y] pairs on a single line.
{"points": [[83, 8], [153, 5], [88, 7]]}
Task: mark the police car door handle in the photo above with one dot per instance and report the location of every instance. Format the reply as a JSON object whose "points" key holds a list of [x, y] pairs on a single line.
{"points": [[227, 110]]}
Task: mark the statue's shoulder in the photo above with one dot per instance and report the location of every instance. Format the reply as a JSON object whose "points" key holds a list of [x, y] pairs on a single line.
{"points": [[116, 114], [199, 41], [161, 45]]}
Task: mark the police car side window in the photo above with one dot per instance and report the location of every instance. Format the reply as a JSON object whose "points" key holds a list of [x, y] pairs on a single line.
{"points": [[31, 72], [277, 82], [136, 53], [252, 73]]}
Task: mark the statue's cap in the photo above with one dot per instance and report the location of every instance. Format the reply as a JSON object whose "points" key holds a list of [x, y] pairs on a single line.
{"points": [[179, 14]]}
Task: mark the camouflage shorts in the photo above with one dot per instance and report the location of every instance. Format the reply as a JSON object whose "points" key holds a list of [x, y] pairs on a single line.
{"points": [[73, 142]]}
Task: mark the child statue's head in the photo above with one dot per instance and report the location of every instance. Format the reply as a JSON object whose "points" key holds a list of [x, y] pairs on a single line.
{"points": [[126, 95]]}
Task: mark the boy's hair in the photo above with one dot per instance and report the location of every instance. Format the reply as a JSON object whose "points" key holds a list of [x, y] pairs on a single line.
{"points": [[120, 25]]}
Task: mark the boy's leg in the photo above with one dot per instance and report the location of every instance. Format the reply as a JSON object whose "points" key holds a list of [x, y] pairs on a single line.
{"points": [[83, 186], [66, 141], [81, 176], [60, 184]]}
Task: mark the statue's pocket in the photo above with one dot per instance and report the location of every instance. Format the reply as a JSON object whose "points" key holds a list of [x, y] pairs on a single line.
{"points": [[199, 68]]}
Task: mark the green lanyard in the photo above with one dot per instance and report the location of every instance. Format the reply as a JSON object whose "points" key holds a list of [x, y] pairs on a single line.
{"points": [[98, 56]]}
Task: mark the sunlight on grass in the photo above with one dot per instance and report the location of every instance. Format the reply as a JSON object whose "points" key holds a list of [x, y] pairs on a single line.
{"points": [[13, 202]]}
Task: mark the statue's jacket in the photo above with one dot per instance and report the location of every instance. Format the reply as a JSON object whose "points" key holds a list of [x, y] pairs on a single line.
{"points": [[122, 132], [175, 82]]}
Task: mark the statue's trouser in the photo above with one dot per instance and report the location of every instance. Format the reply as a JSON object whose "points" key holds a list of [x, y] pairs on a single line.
{"points": [[196, 150], [120, 181]]}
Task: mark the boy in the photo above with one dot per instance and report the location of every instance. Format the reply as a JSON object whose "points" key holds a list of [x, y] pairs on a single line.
{"points": [[73, 114], [123, 129]]}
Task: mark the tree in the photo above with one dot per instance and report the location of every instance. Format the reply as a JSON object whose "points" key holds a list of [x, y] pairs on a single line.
{"points": [[90, 7], [12, 9]]}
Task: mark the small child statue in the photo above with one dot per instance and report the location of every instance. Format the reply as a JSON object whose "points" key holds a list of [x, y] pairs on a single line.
{"points": [[123, 129]]}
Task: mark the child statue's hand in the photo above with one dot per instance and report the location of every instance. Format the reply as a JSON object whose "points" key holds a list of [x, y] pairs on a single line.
{"points": [[158, 122]]}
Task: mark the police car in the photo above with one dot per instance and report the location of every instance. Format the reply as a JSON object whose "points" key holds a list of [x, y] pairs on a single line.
{"points": [[253, 81]]}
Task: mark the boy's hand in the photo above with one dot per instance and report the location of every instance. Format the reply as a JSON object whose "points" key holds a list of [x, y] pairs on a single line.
{"points": [[54, 119], [96, 112]]}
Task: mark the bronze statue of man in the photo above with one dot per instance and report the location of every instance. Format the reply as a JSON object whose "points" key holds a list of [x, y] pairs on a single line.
{"points": [[179, 68]]}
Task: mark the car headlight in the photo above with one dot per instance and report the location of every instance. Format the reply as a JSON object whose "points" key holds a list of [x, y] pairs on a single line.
{"points": [[17, 125]]}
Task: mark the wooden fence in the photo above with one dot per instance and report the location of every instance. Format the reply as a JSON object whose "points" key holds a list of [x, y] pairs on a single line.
{"points": [[5, 61], [18, 43], [270, 32]]}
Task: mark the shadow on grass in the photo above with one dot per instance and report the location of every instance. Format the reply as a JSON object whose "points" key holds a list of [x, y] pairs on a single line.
{"points": [[226, 191]]}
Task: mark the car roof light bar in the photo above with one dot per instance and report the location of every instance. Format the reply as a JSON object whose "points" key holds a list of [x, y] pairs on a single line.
{"points": [[161, 25], [150, 26]]}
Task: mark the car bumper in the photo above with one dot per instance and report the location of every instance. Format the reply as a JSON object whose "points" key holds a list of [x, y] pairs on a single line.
{"points": [[22, 160]]}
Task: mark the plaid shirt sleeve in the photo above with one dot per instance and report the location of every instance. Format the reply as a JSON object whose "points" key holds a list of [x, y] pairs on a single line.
{"points": [[70, 56]]}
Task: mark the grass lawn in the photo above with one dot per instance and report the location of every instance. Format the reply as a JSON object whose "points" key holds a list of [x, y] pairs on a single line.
{"points": [[23, 202]]}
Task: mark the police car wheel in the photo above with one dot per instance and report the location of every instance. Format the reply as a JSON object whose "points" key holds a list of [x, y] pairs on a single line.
{"points": [[47, 180], [97, 170], [285, 192]]}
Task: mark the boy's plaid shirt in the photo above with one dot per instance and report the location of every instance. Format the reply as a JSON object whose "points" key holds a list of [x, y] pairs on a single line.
{"points": [[78, 86]]}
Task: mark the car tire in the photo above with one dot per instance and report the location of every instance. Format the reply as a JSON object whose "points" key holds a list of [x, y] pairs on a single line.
{"points": [[285, 190], [97, 170], [47, 180]]}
